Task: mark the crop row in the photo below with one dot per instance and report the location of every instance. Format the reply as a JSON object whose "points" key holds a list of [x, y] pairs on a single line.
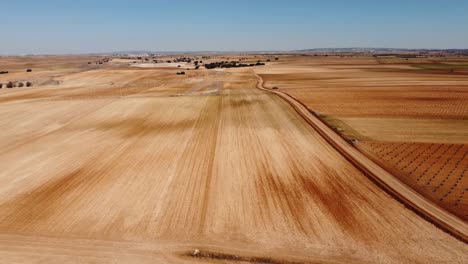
{"points": [[435, 170]]}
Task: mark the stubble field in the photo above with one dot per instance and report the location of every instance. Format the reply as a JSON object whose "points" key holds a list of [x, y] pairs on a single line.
{"points": [[121, 164]]}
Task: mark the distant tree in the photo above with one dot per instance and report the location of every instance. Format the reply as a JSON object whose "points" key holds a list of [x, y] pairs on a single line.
{"points": [[276, 58], [10, 85], [28, 70], [183, 73], [1, 85], [29, 84], [3, 72], [20, 84], [197, 67]]}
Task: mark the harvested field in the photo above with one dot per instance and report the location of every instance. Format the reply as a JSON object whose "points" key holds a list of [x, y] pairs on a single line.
{"points": [[369, 90], [401, 129], [137, 165]]}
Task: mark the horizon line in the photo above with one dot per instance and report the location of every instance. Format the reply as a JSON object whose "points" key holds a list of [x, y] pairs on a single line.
{"points": [[234, 51]]}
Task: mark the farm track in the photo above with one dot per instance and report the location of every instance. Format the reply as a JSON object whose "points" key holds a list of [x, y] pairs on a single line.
{"points": [[390, 183]]}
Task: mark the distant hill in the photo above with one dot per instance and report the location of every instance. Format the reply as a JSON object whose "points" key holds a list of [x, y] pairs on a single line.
{"points": [[382, 50]]}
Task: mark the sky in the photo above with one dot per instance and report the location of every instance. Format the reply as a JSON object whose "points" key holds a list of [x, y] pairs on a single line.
{"points": [[93, 26]]}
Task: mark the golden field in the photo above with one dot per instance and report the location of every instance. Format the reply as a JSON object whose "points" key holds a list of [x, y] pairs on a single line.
{"points": [[117, 163]]}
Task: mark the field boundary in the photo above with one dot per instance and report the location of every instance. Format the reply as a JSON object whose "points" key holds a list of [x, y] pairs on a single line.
{"points": [[397, 189]]}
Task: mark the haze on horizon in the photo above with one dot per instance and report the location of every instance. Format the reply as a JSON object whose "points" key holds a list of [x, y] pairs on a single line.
{"points": [[58, 27]]}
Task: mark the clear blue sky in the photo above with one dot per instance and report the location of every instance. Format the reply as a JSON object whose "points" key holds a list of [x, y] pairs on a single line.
{"points": [[83, 26]]}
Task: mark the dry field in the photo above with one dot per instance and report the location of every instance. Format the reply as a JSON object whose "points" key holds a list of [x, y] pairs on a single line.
{"points": [[410, 116], [436, 170], [121, 164], [360, 86]]}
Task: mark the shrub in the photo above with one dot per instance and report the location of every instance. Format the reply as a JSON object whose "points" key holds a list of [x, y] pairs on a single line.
{"points": [[20, 84], [29, 84], [276, 58], [10, 85], [28, 70], [230, 64], [3, 72], [1, 85]]}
